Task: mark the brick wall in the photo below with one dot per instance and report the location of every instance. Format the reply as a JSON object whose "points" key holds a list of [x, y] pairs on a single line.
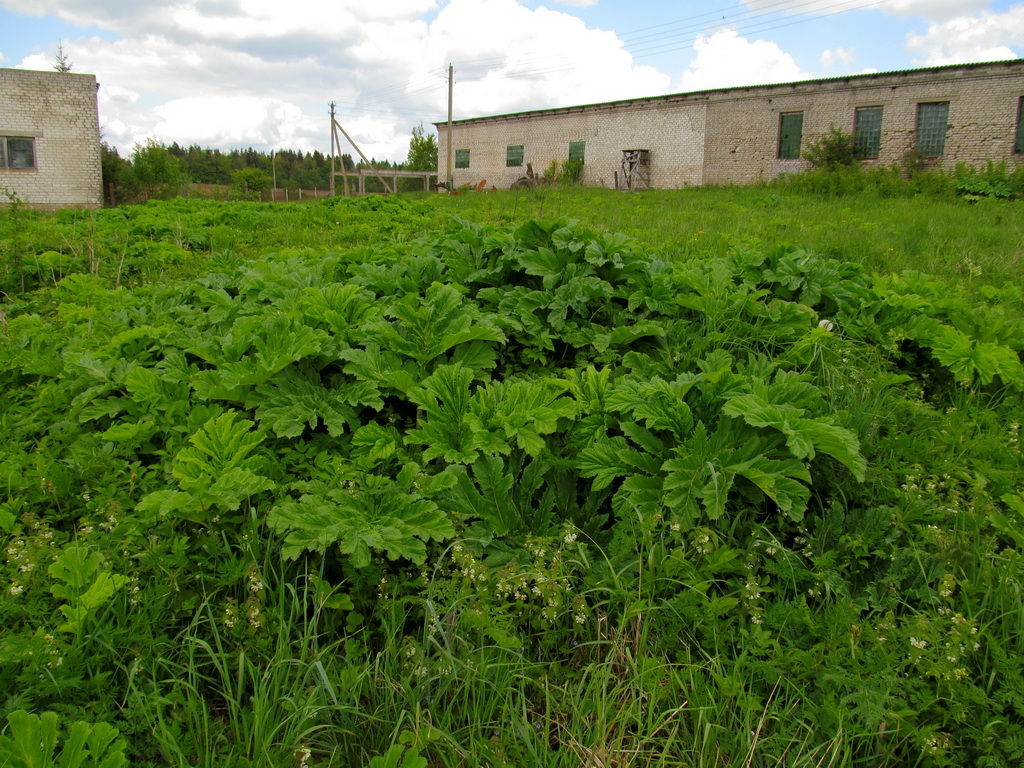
{"points": [[743, 128], [59, 111], [731, 135], [673, 132]]}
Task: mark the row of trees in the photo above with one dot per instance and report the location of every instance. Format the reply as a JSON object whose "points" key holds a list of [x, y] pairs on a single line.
{"points": [[156, 170], [293, 170]]}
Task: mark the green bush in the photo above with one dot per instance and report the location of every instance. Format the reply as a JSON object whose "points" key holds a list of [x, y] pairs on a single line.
{"points": [[832, 151], [249, 184], [571, 172], [154, 173], [992, 181]]}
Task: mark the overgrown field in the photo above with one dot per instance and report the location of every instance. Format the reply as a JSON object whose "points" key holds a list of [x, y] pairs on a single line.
{"points": [[557, 477]]}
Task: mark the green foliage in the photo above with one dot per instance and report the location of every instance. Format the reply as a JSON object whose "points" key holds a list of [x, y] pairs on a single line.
{"points": [[967, 358], [993, 181], [83, 585], [13, 257], [398, 756], [249, 183], [61, 62], [154, 173], [511, 493], [566, 172], [372, 515], [832, 151], [570, 172], [116, 174], [32, 742], [422, 151]]}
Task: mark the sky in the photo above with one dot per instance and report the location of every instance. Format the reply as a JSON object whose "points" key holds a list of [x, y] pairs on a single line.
{"points": [[261, 73]]}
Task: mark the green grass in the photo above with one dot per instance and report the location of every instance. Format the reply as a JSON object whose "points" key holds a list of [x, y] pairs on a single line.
{"points": [[964, 243], [968, 244]]}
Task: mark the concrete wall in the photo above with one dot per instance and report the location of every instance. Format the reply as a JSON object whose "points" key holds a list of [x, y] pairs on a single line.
{"points": [[59, 111], [731, 135]]}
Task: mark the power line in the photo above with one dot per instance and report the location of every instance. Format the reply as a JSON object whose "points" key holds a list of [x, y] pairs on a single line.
{"points": [[787, 7], [651, 43], [761, 26]]}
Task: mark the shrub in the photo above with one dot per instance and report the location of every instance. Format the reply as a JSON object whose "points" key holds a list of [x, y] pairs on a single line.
{"points": [[832, 151], [567, 172], [993, 181], [249, 183], [154, 173], [571, 170]]}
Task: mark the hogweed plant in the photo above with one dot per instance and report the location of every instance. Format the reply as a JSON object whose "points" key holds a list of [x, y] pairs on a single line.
{"points": [[365, 483]]}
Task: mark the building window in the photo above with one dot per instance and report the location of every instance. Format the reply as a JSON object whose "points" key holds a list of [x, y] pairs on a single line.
{"points": [[17, 152], [514, 155], [1018, 147], [791, 127], [867, 132], [462, 158], [932, 122], [577, 150]]}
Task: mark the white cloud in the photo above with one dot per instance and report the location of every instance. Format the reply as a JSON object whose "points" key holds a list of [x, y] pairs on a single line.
{"points": [[36, 61], [261, 72], [988, 37], [206, 18], [116, 95], [833, 56], [234, 121], [724, 59], [534, 59]]}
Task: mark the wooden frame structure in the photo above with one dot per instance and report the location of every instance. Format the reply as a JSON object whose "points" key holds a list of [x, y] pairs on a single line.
{"points": [[362, 173], [394, 175]]}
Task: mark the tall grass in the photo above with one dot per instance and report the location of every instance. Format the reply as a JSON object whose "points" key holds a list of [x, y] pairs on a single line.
{"points": [[967, 243]]}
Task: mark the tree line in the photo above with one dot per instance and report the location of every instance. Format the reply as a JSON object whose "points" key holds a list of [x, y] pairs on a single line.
{"points": [[157, 170]]}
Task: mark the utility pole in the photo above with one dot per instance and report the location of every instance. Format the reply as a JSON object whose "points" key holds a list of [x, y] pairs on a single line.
{"points": [[332, 105], [448, 175], [337, 126], [273, 171]]}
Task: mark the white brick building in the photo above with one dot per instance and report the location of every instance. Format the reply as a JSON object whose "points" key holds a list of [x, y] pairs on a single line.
{"points": [[50, 139], [967, 113]]}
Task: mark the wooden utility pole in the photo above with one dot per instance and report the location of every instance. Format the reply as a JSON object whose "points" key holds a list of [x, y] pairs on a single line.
{"points": [[448, 174], [331, 105], [387, 189]]}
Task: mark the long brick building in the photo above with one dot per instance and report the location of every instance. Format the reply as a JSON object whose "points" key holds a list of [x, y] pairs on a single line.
{"points": [[50, 139], [966, 113]]}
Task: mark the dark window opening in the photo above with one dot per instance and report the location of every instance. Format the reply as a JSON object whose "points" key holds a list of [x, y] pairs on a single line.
{"points": [[17, 152], [462, 158], [514, 155], [791, 127], [576, 150]]}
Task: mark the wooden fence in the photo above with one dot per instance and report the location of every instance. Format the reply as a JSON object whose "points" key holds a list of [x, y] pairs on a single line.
{"points": [[382, 175], [292, 195], [378, 178]]}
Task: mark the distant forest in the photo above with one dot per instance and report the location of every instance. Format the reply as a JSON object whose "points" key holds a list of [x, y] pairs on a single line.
{"points": [[293, 169], [157, 170]]}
